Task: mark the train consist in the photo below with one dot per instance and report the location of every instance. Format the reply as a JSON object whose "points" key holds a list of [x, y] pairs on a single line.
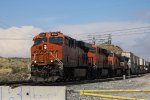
{"points": [[56, 56]]}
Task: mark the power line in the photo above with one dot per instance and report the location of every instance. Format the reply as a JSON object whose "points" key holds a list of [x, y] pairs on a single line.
{"points": [[15, 39], [135, 28], [135, 33], [121, 32], [107, 38]]}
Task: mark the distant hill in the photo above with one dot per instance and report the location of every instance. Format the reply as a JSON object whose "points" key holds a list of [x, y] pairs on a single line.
{"points": [[15, 68], [112, 48]]}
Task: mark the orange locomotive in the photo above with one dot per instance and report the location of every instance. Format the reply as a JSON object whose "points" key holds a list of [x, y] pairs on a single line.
{"points": [[98, 60], [56, 56], [118, 64]]}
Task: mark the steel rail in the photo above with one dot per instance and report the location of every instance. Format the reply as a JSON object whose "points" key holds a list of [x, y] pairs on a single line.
{"points": [[61, 83]]}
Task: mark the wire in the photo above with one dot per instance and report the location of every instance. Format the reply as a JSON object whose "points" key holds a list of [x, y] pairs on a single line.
{"points": [[121, 30], [118, 33], [15, 39]]}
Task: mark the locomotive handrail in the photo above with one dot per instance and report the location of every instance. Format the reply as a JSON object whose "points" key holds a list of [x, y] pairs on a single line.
{"points": [[56, 58], [34, 56], [95, 66]]}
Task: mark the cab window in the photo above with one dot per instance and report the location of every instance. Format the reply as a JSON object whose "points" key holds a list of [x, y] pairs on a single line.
{"points": [[72, 43], [111, 55], [40, 40], [56, 40], [93, 50]]}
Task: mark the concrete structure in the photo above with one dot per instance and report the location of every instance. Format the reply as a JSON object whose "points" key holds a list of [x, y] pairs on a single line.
{"points": [[33, 93]]}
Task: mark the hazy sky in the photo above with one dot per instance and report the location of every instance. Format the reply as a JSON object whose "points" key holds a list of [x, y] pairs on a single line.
{"points": [[26, 18]]}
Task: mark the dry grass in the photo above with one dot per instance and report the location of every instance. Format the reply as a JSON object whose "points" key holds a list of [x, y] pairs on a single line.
{"points": [[13, 69], [5, 71]]}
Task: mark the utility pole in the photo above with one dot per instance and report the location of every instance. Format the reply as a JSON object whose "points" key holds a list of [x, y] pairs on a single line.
{"points": [[109, 38]]}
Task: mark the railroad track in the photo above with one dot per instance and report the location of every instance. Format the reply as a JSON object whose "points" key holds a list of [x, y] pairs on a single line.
{"points": [[14, 84]]}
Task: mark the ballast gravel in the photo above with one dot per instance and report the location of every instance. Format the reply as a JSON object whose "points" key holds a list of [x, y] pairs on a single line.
{"points": [[139, 83]]}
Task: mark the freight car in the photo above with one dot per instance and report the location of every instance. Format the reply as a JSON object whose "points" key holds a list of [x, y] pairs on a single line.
{"points": [[133, 62], [148, 67], [142, 66], [124, 65]]}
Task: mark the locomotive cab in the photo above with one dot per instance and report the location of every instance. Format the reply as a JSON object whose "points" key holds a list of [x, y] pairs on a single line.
{"points": [[46, 54]]}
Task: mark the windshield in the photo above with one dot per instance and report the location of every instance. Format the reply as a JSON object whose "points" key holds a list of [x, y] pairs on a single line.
{"points": [[56, 40], [93, 50], [110, 55], [40, 40]]}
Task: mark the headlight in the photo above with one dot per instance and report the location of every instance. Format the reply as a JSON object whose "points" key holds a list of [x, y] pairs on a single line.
{"points": [[51, 60], [35, 61], [45, 46]]}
